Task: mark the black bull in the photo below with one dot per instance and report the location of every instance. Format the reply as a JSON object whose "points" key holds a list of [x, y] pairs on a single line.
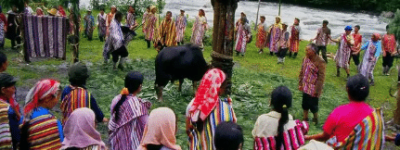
{"points": [[177, 63]]}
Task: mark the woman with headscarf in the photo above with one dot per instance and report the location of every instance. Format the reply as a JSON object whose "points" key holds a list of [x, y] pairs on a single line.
{"points": [[243, 34], [128, 115], [262, 30], [80, 132], [199, 29], [342, 58], [160, 131], [207, 110], [271, 128], [3, 28], [38, 118], [372, 49], [275, 32], [10, 115]]}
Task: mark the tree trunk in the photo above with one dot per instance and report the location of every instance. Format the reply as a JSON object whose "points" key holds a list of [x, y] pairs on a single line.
{"points": [[76, 32], [223, 37], [396, 115]]}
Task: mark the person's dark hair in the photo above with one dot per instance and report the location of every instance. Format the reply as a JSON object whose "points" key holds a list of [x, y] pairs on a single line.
{"points": [[297, 20], [148, 7], [358, 87], [314, 47], [153, 147], [228, 136], [24, 143], [102, 9], [262, 17], [281, 100], [387, 27], [133, 80], [169, 12], [358, 27], [3, 58], [325, 22], [119, 15]]}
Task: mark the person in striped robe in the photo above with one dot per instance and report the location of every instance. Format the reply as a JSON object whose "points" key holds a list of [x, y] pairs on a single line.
{"points": [[12, 117], [294, 38], [243, 35], [311, 81], [101, 22], [181, 23], [89, 25], [80, 132], [3, 28], [150, 26], [129, 115], [207, 110], [342, 58], [38, 118], [355, 125], [262, 30], [166, 33], [76, 95], [277, 129], [275, 33], [199, 29], [131, 24], [144, 18]]}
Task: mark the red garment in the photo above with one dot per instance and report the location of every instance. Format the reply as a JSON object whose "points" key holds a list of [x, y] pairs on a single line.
{"points": [[344, 119], [389, 43], [357, 40], [4, 19], [42, 89], [61, 11], [207, 94]]}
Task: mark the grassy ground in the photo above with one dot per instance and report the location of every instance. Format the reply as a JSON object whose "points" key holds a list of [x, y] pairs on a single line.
{"points": [[254, 78]]}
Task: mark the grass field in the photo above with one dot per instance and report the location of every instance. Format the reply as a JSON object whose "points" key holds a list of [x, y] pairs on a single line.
{"points": [[254, 78]]}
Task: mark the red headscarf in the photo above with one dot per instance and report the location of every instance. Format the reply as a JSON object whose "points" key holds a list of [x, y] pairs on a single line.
{"points": [[61, 11], [207, 94], [377, 36], [42, 89]]}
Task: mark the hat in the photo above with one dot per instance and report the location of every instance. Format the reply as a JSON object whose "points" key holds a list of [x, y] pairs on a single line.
{"points": [[152, 7], [6, 80], [113, 6], [348, 28], [78, 71], [52, 11]]}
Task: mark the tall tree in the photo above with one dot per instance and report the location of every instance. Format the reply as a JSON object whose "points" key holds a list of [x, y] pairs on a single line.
{"points": [[394, 27], [223, 37]]}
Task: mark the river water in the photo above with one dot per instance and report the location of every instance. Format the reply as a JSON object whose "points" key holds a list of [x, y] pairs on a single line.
{"points": [[311, 18]]}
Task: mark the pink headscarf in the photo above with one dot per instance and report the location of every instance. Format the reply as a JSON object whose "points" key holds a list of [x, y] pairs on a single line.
{"points": [[377, 36], [80, 130], [42, 89], [207, 95], [160, 129]]}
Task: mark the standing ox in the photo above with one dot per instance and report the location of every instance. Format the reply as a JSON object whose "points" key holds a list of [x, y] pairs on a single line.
{"points": [[177, 63]]}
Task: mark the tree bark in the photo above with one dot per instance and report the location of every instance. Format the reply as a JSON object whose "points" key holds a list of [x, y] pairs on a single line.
{"points": [[396, 115], [223, 37]]}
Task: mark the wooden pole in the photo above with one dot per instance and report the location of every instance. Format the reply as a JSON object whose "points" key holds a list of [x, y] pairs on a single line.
{"points": [[223, 37], [280, 3], [255, 27]]}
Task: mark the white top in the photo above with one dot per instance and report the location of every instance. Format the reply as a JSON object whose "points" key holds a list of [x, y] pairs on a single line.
{"points": [[267, 124]]}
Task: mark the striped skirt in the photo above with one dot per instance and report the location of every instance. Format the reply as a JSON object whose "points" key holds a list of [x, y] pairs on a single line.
{"points": [[203, 140]]}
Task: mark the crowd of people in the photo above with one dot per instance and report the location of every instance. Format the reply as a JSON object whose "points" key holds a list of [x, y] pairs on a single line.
{"points": [[211, 122]]}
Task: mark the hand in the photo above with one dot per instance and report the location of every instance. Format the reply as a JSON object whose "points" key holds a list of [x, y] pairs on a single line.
{"points": [[390, 137], [105, 120]]}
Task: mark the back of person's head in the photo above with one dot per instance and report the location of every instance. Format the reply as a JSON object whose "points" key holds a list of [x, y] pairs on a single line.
{"points": [[228, 136], [358, 27], [387, 27], [78, 73], [358, 88], [3, 61], [313, 47], [133, 81], [118, 15], [281, 100]]}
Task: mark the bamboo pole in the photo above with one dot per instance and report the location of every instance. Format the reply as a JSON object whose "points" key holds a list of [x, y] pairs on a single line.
{"points": [[258, 10], [280, 3]]}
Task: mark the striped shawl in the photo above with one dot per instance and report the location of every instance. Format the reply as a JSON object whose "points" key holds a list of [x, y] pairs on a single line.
{"points": [[5, 133], [77, 98], [44, 133]]}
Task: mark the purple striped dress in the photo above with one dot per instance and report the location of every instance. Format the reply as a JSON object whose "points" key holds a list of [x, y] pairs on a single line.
{"points": [[127, 132]]}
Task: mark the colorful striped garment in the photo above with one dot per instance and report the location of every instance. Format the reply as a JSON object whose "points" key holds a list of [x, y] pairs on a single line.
{"points": [[45, 36], [309, 78], [323, 36], [167, 33], [115, 39], [203, 140], [294, 38], [2, 33], [77, 98], [101, 19], [44, 133], [342, 57], [292, 138], [199, 29], [89, 24], [127, 132], [5, 133], [261, 42], [150, 26], [144, 18], [180, 28], [275, 34], [368, 134], [242, 34], [369, 61]]}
